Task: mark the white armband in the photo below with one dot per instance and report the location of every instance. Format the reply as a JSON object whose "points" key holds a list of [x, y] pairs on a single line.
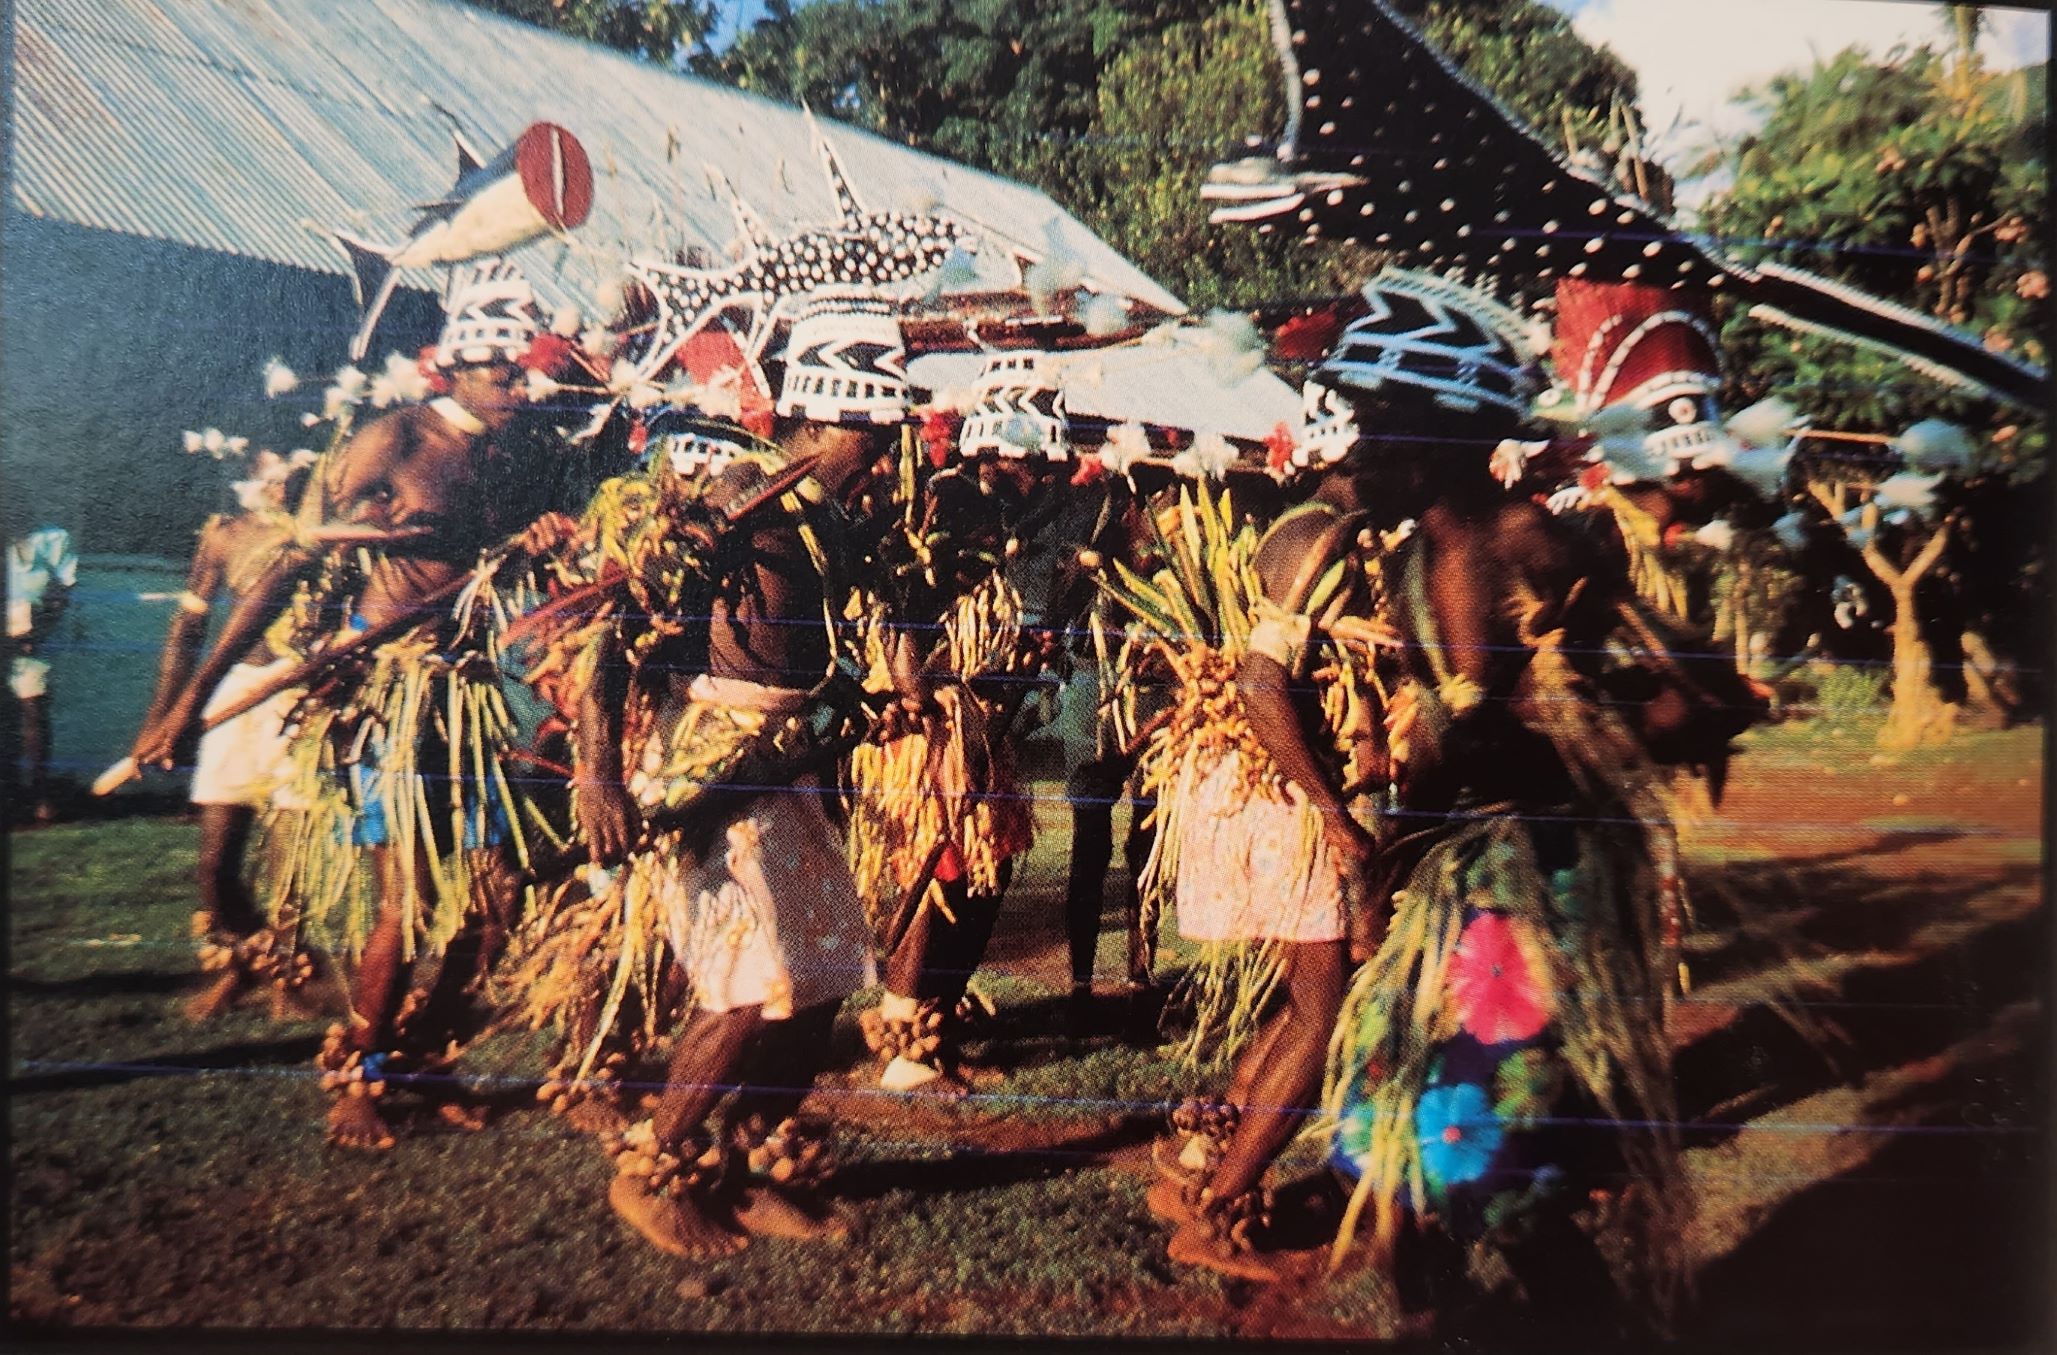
{"points": [[1279, 635]]}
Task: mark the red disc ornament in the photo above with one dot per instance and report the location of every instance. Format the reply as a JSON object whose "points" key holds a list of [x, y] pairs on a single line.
{"points": [[555, 174]]}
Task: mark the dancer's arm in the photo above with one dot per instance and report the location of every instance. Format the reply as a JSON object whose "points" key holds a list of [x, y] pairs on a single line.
{"points": [[187, 632], [605, 815], [1264, 681]]}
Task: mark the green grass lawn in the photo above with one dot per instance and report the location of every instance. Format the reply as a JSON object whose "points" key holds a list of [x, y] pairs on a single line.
{"points": [[173, 1174], [168, 1174]]}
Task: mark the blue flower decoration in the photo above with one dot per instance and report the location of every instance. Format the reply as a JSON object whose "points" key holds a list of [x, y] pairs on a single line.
{"points": [[1458, 1133], [1352, 1144]]}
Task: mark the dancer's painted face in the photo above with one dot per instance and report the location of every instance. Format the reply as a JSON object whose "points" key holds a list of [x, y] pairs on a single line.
{"points": [[488, 388]]}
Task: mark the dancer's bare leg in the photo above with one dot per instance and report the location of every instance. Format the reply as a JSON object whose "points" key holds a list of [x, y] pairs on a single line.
{"points": [[354, 1122], [1280, 1095], [779, 1070], [230, 910], [705, 1060], [1166, 1199]]}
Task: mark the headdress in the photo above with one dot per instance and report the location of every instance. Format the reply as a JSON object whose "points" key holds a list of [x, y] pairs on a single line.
{"points": [[1462, 182], [846, 361], [1457, 344], [490, 314], [692, 448], [269, 473], [1650, 349], [1018, 411]]}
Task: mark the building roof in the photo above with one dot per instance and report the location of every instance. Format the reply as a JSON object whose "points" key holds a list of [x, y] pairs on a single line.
{"points": [[253, 127]]}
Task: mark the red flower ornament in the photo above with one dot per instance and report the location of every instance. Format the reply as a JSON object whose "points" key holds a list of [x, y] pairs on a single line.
{"points": [[1494, 985]]}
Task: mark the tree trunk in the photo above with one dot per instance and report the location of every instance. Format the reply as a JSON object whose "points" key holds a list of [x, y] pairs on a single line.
{"points": [[1987, 681], [1918, 713]]}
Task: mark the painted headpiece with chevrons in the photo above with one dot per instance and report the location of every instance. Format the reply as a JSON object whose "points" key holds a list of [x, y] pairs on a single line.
{"points": [[846, 361], [1464, 349], [1018, 411], [691, 447], [1645, 348], [490, 316]]}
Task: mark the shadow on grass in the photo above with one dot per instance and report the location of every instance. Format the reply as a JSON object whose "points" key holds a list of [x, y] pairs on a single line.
{"points": [[1057, 1027], [122, 983], [1940, 1239], [1898, 1010], [994, 1163], [52, 1075]]}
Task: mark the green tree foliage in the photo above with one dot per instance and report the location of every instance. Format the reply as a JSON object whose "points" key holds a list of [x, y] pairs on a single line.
{"points": [[1921, 178], [1169, 107], [982, 81], [658, 30]]}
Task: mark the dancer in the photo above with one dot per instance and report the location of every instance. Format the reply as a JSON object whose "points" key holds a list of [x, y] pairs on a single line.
{"points": [[937, 811], [699, 762], [1266, 774], [1502, 1054], [243, 764], [413, 831]]}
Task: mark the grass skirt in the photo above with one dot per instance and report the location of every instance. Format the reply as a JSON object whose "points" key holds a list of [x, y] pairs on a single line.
{"points": [[412, 759]]}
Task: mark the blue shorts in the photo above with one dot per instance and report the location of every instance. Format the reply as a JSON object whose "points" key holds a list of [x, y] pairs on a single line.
{"points": [[485, 815]]}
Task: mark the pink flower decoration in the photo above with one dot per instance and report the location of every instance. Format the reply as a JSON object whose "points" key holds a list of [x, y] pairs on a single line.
{"points": [[1498, 994]]}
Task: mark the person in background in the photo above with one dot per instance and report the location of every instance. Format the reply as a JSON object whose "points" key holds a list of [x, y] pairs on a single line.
{"points": [[244, 763], [42, 569]]}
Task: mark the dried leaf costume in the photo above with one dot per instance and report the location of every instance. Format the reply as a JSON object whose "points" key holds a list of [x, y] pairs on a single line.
{"points": [[936, 807], [407, 746], [1239, 851], [947, 789]]}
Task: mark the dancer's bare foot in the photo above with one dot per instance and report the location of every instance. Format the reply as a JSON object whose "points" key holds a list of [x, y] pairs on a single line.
{"points": [[459, 1116], [355, 1123], [1195, 1244], [218, 996], [771, 1211], [676, 1227], [1166, 1201]]}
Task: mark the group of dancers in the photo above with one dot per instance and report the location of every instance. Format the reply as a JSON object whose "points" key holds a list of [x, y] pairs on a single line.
{"points": [[677, 759], [673, 725]]}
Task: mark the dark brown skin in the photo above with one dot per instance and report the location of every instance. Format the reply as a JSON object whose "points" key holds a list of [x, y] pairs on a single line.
{"points": [[770, 634], [418, 473], [1279, 1073], [1478, 545], [411, 471], [415, 469]]}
